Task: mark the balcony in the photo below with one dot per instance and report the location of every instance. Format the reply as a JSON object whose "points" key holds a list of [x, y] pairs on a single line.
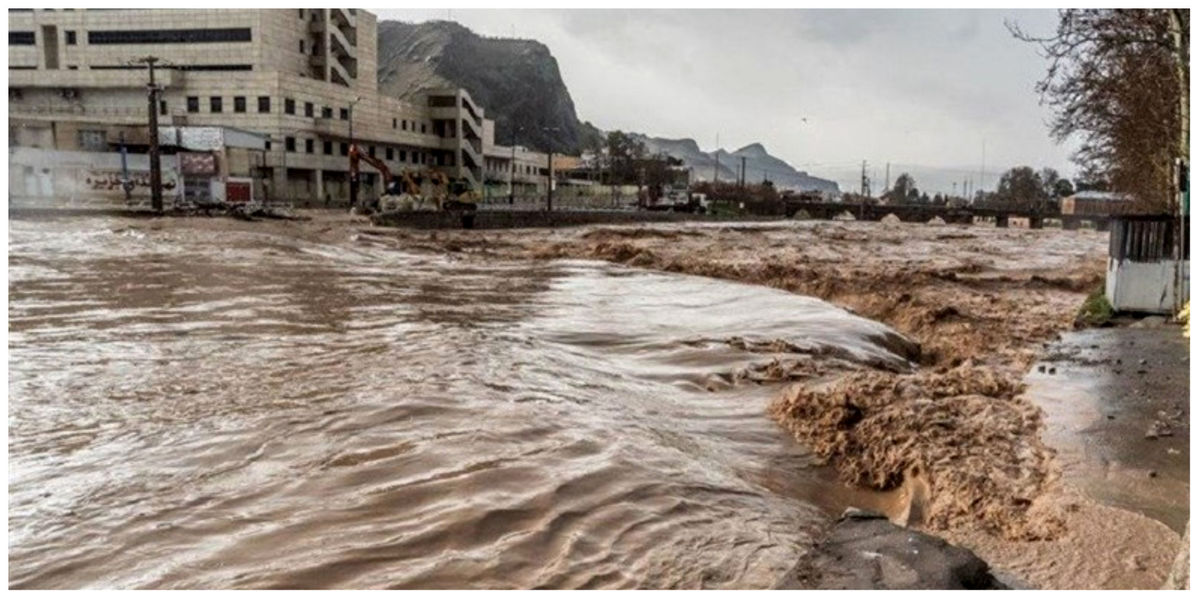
{"points": [[344, 17]]}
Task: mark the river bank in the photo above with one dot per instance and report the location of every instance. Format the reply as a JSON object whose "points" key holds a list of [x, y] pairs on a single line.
{"points": [[938, 422], [957, 438]]}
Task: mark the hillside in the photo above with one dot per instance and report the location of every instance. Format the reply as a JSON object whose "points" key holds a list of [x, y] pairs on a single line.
{"points": [[519, 85], [760, 164], [498, 73]]}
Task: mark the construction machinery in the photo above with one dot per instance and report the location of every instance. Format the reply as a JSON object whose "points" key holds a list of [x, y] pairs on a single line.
{"points": [[405, 193]]}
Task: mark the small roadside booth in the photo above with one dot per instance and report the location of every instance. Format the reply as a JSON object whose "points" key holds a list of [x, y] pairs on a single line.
{"points": [[1148, 264], [217, 165]]}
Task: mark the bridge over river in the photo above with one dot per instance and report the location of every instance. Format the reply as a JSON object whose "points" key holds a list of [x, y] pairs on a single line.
{"points": [[923, 213]]}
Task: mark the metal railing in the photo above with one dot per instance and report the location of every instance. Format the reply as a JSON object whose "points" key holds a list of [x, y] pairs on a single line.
{"points": [[523, 202]]}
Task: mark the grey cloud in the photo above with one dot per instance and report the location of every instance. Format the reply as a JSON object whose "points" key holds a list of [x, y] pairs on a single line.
{"points": [[922, 87]]}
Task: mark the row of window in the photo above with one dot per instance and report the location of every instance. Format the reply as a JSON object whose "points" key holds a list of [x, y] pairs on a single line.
{"points": [[416, 157], [170, 36], [499, 167], [216, 105], [143, 36]]}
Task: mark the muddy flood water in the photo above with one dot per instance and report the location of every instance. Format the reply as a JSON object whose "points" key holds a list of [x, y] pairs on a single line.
{"points": [[207, 408]]}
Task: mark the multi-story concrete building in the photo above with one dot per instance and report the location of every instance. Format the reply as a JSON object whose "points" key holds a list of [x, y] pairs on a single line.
{"points": [[305, 77]]}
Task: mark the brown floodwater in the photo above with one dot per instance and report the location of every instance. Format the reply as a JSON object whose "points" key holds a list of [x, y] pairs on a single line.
{"points": [[198, 407]]}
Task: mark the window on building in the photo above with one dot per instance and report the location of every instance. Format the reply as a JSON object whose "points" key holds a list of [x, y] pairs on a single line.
{"points": [[326, 112], [289, 143], [345, 148], [343, 113], [422, 128], [169, 36], [264, 104], [162, 107], [327, 147], [239, 104], [301, 46], [404, 125], [214, 104], [289, 106], [308, 109], [70, 37], [300, 11], [308, 146], [393, 123], [21, 38], [193, 104], [371, 151], [416, 157], [267, 145], [93, 140], [388, 153]]}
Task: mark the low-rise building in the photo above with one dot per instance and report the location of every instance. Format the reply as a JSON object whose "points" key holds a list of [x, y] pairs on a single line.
{"points": [[1089, 202]]}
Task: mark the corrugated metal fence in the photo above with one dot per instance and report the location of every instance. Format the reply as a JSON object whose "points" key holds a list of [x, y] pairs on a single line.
{"points": [[1147, 239]]}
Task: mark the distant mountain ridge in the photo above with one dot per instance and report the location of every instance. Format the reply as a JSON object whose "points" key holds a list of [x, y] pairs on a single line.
{"points": [[519, 85], [760, 164]]}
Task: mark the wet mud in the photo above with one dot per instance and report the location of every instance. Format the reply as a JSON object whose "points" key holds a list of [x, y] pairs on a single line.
{"points": [[957, 440]]}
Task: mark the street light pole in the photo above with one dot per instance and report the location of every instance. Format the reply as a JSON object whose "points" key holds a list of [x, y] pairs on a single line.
{"points": [[550, 181], [512, 167]]}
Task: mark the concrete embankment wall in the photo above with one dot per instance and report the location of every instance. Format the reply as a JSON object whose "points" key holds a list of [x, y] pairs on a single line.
{"points": [[524, 219]]}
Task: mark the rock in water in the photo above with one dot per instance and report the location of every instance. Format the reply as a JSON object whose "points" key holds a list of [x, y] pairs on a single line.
{"points": [[865, 551]]}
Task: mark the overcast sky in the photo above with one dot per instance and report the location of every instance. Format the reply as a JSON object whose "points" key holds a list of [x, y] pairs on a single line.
{"points": [[821, 89]]}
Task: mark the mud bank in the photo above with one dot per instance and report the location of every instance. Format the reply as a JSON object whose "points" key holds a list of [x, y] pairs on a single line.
{"points": [[957, 439]]}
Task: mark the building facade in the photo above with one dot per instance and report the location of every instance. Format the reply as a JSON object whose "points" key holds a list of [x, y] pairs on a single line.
{"points": [[305, 78]]}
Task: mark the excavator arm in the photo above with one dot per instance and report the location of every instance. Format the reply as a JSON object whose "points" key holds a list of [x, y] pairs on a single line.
{"points": [[357, 155]]}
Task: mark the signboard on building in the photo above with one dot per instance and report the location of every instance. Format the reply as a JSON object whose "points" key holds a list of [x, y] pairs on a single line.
{"points": [[198, 163], [239, 190]]}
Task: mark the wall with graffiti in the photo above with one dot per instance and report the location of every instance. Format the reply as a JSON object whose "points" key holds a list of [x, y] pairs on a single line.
{"points": [[61, 178]]}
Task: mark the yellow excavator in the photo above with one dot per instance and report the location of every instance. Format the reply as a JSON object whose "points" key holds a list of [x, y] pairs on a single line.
{"points": [[404, 193]]}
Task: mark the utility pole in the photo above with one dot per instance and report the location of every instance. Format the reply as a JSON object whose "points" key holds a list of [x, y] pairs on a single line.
{"points": [[156, 199], [717, 158], [982, 161], [866, 191], [743, 182], [887, 178]]}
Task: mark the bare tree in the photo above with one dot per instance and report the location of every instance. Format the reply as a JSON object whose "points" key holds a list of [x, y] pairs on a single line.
{"points": [[1118, 79]]}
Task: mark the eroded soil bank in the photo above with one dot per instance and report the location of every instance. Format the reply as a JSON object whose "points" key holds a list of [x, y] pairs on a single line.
{"points": [[954, 436]]}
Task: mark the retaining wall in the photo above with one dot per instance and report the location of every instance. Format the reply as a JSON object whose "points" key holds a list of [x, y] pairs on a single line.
{"points": [[523, 219]]}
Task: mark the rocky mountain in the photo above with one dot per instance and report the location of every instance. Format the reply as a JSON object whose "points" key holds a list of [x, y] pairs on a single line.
{"points": [[760, 164], [516, 81], [519, 85]]}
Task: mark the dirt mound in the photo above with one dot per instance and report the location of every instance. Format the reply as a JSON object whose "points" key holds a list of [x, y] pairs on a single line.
{"points": [[638, 233], [964, 430]]}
